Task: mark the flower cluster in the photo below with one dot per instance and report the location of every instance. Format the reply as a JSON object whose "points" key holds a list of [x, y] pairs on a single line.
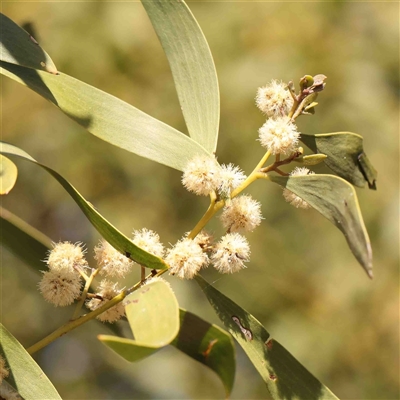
{"points": [[188, 256], [203, 176], [279, 133], [241, 213], [61, 284]]}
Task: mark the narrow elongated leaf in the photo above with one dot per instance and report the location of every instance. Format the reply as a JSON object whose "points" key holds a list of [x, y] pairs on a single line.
{"points": [[192, 67], [23, 240], [108, 231], [153, 315], [346, 156], [25, 377], [8, 175], [285, 377], [18, 47], [208, 344], [337, 201], [110, 118]]}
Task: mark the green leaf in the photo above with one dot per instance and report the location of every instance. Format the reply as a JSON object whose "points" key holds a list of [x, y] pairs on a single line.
{"points": [[108, 231], [208, 344], [337, 201], [25, 375], [368, 170], [192, 67], [18, 47], [110, 118], [346, 156], [23, 240], [285, 377], [153, 315], [8, 175]]}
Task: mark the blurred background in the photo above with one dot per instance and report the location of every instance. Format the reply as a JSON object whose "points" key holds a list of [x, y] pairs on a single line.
{"points": [[302, 283]]}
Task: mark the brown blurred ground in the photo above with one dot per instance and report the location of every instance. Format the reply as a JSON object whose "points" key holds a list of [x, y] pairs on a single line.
{"points": [[303, 283]]}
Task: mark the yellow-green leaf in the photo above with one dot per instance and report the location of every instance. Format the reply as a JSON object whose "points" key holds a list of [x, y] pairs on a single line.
{"points": [[153, 315], [25, 377], [346, 156], [8, 175], [110, 118], [208, 344], [18, 47], [337, 201], [192, 67], [118, 240], [23, 240]]}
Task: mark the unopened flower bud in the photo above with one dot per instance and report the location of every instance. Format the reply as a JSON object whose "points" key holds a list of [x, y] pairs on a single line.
{"points": [[312, 159]]}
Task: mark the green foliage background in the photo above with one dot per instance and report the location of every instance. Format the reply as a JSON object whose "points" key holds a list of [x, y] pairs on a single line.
{"points": [[303, 283]]}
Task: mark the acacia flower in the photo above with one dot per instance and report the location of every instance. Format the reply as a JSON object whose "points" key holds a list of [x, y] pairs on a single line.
{"points": [[279, 135], [292, 198], [111, 261], [66, 257], [204, 240], [3, 369], [242, 213], [186, 259], [231, 177], [60, 288], [231, 252], [106, 291], [274, 99], [7, 392], [148, 240], [202, 175]]}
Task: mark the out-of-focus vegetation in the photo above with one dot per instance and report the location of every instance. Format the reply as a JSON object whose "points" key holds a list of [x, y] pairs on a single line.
{"points": [[302, 283]]}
